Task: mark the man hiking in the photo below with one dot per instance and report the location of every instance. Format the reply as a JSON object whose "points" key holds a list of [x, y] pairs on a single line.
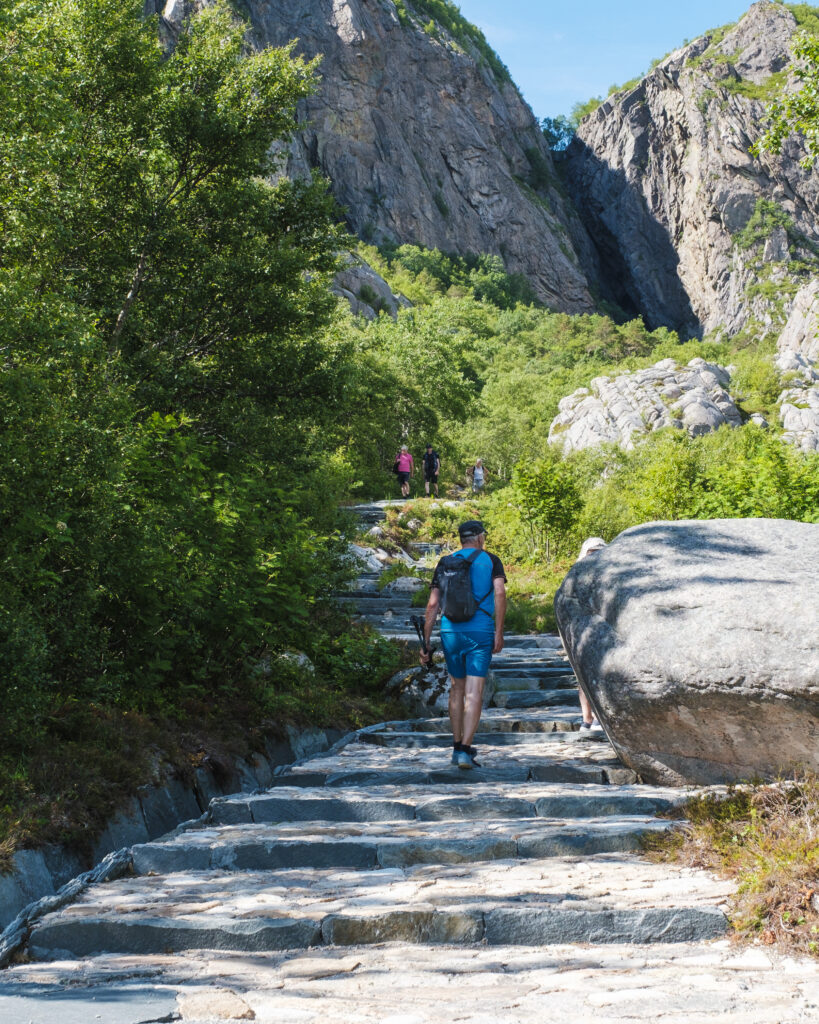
{"points": [[432, 466], [469, 587]]}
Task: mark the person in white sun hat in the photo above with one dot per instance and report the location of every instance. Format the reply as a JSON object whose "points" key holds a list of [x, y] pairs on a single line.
{"points": [[589, 724]]}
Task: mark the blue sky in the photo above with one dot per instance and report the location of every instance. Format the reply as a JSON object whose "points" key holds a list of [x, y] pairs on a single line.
{"points": [[561, 53]]}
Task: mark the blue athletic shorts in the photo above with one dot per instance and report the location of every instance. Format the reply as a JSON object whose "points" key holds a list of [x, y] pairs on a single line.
{"points": [[467, 654]]}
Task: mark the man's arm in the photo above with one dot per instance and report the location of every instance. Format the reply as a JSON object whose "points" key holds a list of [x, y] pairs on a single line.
{"points": [[499, 586], [430, 615]]}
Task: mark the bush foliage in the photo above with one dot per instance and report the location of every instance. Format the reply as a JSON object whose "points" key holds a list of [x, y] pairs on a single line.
{"points": [[168, 480]]}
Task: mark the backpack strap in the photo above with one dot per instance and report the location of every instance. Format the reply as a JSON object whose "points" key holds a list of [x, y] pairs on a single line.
{"points": [[471, 558]]}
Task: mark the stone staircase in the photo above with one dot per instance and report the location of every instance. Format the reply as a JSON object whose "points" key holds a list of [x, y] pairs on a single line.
{"points": [[373, 883]]}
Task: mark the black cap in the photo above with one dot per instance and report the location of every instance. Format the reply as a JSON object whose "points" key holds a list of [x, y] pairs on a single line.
{"points": [[471, 528], [428, 445]]}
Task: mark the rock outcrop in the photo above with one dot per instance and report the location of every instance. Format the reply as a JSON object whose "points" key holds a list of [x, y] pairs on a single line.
{"points": [[798, 359], [425, 141], [367, 293], [693, 231], [620, 410], [696, 644]]}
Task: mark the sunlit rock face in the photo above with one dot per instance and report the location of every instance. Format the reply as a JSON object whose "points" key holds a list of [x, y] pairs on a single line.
{"points": [[424, 143], [693, 231], [798, 361]]}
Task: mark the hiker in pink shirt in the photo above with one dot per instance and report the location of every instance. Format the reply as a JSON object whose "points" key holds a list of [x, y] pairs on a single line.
{"points": [[405, 469]]}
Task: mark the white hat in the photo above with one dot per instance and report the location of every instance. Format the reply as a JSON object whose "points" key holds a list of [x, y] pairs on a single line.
{"points": [[590, 545]]}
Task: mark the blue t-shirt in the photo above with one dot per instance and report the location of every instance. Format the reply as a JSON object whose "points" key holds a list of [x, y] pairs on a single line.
{"points": [[486, 569]]}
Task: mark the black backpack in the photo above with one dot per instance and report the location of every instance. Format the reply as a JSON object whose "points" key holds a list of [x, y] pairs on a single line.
{"points": [[458, 601]]}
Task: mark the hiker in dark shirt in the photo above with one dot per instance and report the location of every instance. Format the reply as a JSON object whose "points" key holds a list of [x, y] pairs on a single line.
{"points": [[468, 644], [432, 466]]}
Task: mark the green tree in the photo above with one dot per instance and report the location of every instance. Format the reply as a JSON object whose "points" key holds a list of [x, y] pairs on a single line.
{"points": [[797, 113], [166, 381], [548, 500], [559, 131]]}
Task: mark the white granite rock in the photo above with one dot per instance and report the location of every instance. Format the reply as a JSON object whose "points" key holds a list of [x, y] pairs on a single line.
{"points": [[618, 410], [798, 358]]}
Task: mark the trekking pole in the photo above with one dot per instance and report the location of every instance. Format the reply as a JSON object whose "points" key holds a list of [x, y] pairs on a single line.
{"points": [[418, 622]]}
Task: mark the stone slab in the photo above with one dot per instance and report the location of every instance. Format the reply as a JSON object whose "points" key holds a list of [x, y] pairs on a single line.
{"points": [[165, 807], [399, 983], [526, 926], [518, 683], [409, 926], [362, 845], [86, 937], [623, 881], [125, 829], [98, 1005], [534, 927], [462, 801], [535, 699], [29, 880], [407, 740]]}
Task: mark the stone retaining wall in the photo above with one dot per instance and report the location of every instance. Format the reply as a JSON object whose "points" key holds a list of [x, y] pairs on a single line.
{"points": [[155, 811]]}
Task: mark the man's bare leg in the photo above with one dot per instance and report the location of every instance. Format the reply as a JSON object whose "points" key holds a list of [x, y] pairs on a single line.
{"points": [[456, 708], [473, 706]]}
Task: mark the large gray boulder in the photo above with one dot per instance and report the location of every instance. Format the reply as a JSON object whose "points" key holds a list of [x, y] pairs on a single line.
{"points": [[697, 643]]}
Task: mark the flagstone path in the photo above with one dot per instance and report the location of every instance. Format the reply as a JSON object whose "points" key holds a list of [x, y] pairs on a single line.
{"points": [[380, 884]]}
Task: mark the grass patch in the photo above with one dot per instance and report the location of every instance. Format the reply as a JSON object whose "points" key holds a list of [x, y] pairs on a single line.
{"points": [[764, 91], [766, 837], [807, 17], [530, 593]]}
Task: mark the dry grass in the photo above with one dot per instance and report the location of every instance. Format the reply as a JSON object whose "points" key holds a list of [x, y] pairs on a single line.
{"points": [[766, 837]]}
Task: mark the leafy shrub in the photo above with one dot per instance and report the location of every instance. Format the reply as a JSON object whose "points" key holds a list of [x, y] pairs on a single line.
{"points": [[766, 217], [549, 501], [168, 492]]}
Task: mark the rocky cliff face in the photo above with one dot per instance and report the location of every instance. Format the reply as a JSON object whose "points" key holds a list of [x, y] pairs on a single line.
{"points": [[798, 360], [693, 231], [424, 142]]}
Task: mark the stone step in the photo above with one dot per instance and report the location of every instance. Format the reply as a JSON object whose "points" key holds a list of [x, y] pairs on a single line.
{"points": [[517, 684], [137, 914], [410, 739], [396, 629], [556, 719], [380, 604], [531, 670], [534, 698], [608, 773], [363, 763], [369, 845], [417, 803], [490, 926]]}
